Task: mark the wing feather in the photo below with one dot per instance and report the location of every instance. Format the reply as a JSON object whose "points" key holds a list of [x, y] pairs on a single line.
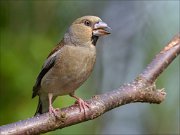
{"points": [[46, 67], [49, 63]]}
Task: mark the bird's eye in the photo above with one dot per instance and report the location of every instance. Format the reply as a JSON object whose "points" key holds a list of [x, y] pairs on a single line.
{"points": [[87, 23]]}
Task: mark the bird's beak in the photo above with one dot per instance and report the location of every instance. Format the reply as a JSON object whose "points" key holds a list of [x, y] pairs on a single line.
{"points": [[101, 29]]}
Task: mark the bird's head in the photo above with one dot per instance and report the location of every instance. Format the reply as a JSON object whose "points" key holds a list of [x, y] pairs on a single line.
{"points": [[86, 29]]}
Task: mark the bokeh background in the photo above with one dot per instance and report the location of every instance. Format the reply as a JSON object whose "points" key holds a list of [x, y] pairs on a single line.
{"points": [[140, 29]]}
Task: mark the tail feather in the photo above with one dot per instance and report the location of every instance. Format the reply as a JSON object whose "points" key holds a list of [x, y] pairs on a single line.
{"points": [[39, 108], [43, 105]]}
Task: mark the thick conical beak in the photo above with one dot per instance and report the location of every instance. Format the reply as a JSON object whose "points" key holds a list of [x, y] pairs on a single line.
{"points": [[101, 29]]}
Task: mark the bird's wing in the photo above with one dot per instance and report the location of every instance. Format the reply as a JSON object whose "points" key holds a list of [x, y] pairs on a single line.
{"points": [[49, 63]]}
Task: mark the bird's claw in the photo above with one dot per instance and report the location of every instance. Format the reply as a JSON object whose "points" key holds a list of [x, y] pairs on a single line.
{"points": [[54, 111], [82, 105]]}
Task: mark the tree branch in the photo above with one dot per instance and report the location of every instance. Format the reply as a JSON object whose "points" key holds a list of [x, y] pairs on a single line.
{"points": [[142, 89]]}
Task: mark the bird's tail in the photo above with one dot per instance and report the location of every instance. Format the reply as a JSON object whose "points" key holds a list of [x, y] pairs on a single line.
{"points": [[39, 108], [43, 105]]}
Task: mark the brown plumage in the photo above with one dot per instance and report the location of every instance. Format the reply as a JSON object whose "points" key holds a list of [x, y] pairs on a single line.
{"points": [[70, 63]]}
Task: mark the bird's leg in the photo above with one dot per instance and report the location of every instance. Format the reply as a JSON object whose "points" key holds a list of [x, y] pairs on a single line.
{"points": [[51, 109], [82, 103]]}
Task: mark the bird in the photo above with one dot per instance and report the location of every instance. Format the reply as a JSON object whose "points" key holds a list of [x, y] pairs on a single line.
{"points": [[69, 64]]}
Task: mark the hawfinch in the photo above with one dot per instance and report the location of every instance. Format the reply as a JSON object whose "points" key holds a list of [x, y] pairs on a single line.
{"points": [[69, 64]]}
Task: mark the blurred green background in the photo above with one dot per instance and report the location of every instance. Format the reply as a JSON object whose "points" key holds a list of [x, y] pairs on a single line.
{"points": [[30, 29]]}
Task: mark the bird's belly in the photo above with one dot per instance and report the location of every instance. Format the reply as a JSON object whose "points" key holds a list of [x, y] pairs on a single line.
{"points": [[69, 72]]}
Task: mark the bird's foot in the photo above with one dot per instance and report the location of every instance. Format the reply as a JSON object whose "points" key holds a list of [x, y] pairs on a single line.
{"points": [[82, 105], [54, 111]]}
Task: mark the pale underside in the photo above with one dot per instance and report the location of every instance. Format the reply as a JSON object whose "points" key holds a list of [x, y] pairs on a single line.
{"points": [[73, 70]]}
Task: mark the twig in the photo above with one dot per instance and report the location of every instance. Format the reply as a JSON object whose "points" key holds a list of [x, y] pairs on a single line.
{"points": [[142, 89]]}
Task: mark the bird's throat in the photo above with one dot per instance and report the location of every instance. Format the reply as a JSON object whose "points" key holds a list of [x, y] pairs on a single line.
{"points": [[94, 40]]}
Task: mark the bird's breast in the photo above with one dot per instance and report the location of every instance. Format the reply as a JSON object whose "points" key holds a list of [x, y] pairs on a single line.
{"points": [[73, 66]]}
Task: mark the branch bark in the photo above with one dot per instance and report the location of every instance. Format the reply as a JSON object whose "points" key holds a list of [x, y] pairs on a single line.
{"points": [[142, 89]]}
